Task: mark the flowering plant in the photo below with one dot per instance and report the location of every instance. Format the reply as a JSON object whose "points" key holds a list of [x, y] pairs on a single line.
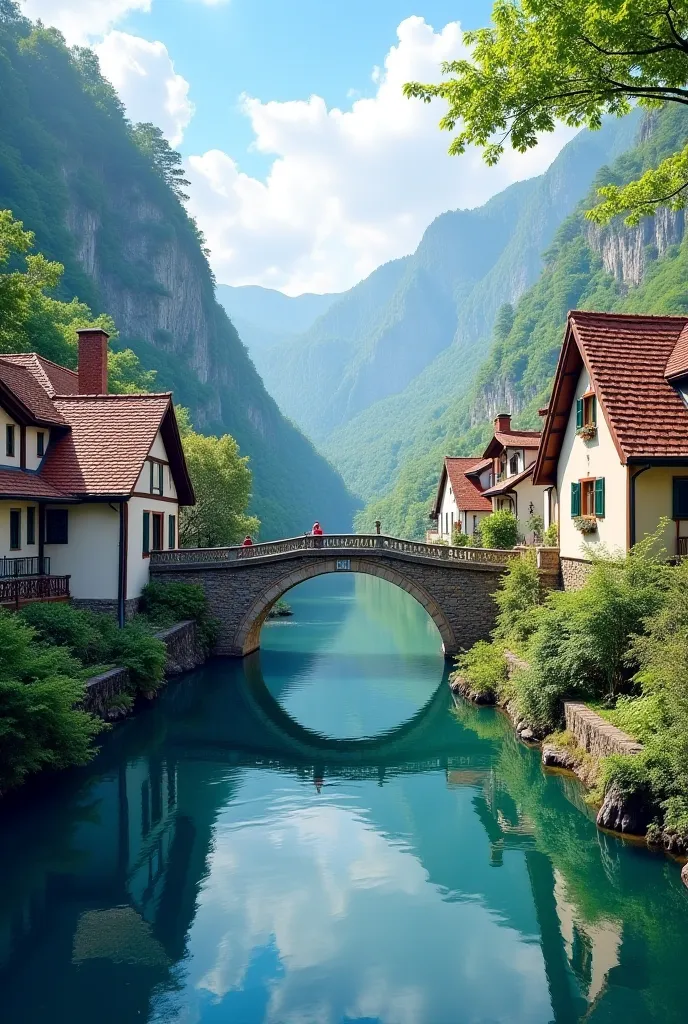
{"points": [[587, 432], [586, 524]]}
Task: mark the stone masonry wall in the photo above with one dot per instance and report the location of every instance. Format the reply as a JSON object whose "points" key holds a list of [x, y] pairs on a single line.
{"points": [[458, 598], [595, 734], [574, 572], [183, 653]]}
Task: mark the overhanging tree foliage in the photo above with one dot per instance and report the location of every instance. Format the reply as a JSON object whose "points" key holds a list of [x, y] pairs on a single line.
{"points": [[549, 61]]}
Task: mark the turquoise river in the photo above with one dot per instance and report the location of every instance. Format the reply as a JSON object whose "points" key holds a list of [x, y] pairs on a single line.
{"points": [[315, 836]]}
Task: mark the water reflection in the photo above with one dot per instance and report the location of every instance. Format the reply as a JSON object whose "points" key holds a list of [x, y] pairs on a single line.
{"points": [[217, 864]]}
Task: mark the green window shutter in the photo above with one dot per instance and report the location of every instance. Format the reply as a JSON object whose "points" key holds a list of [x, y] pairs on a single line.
{"points": [[575, 499], [172, 532], [680, 510], [146, 533], [599, 497], [579, 413], [593, 402]]}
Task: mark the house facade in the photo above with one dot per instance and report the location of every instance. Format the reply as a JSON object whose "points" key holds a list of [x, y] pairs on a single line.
{"points": [[90, 483], [614, 453], [459, 503], [513, 454]]}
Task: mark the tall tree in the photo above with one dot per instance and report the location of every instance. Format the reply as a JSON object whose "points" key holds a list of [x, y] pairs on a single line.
{"points": [[548, 61], [166, 161]]}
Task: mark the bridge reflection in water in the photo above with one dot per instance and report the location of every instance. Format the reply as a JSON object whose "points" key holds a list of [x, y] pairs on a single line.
{"points": [[223, 861]]}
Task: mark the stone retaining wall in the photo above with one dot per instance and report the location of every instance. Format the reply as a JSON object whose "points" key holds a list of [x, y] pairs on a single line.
{"points": [[595, 734], [183, 654], [574, 572]]}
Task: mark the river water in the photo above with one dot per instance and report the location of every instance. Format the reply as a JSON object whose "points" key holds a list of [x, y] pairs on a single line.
{"points": [[315, 836]]}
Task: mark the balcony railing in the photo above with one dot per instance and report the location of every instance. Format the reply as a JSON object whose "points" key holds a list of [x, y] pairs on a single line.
{"points": [[20, 590], [682, 547], [34, 566]]}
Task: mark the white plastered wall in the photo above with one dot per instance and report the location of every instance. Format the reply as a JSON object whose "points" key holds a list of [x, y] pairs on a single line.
{"points": [[449, 512], [527, 494], [137, 563], [597, 458], [91, 556], [32, 459], [26, 550], [143, 483], [6, 460]]}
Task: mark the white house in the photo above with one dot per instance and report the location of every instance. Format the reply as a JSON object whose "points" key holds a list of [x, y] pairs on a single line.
{"points": [[614, 451], [90, 483], [512, 454], [459, 502]]}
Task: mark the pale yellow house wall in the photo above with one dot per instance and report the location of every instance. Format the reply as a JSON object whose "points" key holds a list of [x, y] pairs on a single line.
{"points": [[597, 458], [137, 563], [526, 494], [654, 501], [32, 459], [7, 460], [26, 550], [91, 557]]}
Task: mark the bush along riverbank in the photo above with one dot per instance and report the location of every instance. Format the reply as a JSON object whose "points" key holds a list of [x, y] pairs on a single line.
{"points": [[619, 644], [48, 654]]}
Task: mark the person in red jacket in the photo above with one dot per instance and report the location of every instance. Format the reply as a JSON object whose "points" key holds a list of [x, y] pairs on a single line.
{"points": [[247, 542], [317, 530]]}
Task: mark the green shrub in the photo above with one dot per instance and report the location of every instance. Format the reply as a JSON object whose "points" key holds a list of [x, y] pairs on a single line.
{"points": [[459, 539], [484, 668], [499, 530], [143, 654], [535, 524], [163, 604], [550, 537], [84, 633], [519, 596]]}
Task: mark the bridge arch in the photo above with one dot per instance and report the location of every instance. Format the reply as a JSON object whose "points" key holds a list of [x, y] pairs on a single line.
{"points": [[248, 632]]}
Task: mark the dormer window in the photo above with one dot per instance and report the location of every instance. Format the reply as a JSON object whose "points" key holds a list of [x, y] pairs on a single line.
{"points": [[513, 465], [9, 440]]}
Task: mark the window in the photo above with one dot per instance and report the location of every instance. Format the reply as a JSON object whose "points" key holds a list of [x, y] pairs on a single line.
{"points": [[587, 497], [9, 440], [31, 525], [40, 444], [172, 531], [146, 533], [157, 470], [446, 522], [586, 411], [15, 529], [56, 526], [680, 503], [158, 520], [513, 465]]}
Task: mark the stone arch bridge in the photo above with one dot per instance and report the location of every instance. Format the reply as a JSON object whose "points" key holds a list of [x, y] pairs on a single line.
{"points": [[454, 585]]}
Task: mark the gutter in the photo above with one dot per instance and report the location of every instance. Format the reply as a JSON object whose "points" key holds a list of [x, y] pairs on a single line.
{"points": [[122, 566], [631, 503]]}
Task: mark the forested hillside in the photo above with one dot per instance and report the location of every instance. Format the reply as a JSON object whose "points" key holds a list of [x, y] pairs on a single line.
{"points": [[266, 318], [618, 268], [379, 336], [102, 197]]}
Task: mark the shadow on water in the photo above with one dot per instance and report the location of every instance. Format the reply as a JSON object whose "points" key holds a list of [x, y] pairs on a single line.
{"points": [[221, 861]]}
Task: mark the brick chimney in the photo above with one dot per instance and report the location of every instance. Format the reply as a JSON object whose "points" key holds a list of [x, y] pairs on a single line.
{"points": [[92, 367], [502, 422]]}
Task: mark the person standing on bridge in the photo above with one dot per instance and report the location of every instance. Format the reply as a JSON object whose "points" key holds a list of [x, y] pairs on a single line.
{"points": [[317, 530], [247, 542]]}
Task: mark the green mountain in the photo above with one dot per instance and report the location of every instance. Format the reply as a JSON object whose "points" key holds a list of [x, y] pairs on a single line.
{"points": [[618, 268], [269, 315], [378, 337], [73, 170]]}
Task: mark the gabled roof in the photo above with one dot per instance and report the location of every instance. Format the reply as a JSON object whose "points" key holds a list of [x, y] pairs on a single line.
{"points": [[53, 378], [21, 483], [479, 467], [502, 439], [467, 491], [677, 363], [110, 436], [26, 400], [627, 358], [504, 486]]}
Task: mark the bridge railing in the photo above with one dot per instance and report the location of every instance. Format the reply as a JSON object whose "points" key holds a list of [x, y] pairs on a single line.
{"points": [[349, 542]]}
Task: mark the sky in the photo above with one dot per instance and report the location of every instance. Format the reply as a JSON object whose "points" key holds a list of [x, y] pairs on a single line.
{"points": [[308, 167]]}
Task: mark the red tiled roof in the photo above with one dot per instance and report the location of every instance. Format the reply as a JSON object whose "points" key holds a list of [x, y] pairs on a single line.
{"points": [[53, 378], [504, 486], [628, 358], [518, 438], [466, 489], [20, 483], [479, 467], [24, 387], [110, 436]]}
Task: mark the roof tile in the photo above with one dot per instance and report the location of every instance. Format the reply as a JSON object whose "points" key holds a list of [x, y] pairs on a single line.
{"points": [[22, 383], [467, 491]]}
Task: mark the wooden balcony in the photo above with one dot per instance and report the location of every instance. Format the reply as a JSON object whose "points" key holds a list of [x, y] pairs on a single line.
{"points": [[29, 566], [20, 590]]}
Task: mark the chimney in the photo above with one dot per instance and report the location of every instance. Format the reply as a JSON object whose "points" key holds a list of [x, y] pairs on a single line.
{"points": [[92, 367], [502, 422]]}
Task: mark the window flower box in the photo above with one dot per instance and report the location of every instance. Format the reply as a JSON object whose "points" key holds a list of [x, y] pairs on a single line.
{"points": [[587, 431], [585, 524]]}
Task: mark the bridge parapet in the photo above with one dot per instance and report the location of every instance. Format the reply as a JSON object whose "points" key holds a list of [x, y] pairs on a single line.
{"points": [[349, 543]]}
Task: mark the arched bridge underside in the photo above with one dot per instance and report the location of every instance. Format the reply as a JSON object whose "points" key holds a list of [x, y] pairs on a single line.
{"points": [[454, 585]]}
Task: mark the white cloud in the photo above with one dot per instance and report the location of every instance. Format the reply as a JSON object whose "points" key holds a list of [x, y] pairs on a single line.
{"points": [[347, 189], [80, 20], [143, 74]]}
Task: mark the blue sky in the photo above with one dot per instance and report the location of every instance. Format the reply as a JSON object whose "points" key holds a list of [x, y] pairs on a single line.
{"points": [[308, 167]]}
